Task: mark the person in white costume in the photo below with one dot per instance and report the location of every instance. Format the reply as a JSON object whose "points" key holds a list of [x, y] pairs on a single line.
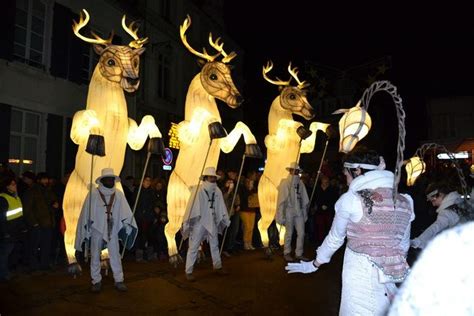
{"points": [[108, 220], [442, 197], [441, 281], [292, 210], [378, 236], [205, 219]]}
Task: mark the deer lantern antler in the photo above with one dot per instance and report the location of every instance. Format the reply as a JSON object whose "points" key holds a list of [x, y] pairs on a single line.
{"points": [[215, 44], [83, 20], [137, 42], [182, 30], [220, 48], [294, 73], [266, 69]]}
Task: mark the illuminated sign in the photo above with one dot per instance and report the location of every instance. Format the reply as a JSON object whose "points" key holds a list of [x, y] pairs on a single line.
{"points": [[459, 155], [173, 134], [166, 167]]}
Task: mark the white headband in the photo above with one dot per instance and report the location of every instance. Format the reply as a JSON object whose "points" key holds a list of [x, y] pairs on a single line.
{"points": [[431, 194], [380, 166]]}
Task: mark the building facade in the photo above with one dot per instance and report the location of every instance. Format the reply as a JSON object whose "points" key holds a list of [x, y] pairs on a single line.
{"points": [[451, 123], [45, 71]]}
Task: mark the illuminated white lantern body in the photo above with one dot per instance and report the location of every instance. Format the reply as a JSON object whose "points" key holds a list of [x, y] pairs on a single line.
{"points": [[414, 168], [283, 144], [214, 81], [353, 126], [105, 114]]}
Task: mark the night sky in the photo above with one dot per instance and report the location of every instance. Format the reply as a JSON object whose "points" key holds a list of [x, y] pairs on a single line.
{"points": [[431, 48]]}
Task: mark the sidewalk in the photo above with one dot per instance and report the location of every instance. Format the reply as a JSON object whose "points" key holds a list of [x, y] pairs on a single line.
{"points": [[255, 286]]}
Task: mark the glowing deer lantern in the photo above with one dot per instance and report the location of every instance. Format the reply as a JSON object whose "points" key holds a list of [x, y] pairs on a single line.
{"points": [[356, 123], [283, 143], [196, 148], [105, 114]]}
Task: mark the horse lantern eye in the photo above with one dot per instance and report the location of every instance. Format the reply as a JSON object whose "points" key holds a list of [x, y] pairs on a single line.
{"points": [[292, 96], [213, 77]]}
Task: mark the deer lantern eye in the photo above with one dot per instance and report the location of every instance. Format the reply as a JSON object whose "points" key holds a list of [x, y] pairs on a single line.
{"points": [[213, 77], [135, 63], [292, 96], [111, 62]]}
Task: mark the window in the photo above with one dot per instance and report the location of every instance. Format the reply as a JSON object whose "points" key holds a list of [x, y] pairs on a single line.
{"points": [[444, 125], [24, 141], [164, 74], [165, 9], [89, 58], [29, 32]]}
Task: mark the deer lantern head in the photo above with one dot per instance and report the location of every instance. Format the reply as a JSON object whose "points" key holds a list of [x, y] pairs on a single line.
{"points": [[292, 98], [215, 75], [117, 63]]}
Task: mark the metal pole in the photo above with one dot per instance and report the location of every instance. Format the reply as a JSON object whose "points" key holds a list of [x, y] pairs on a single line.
{"points": [[233, 199], [319, 172], [137, 198], [299, 151], [86, 247], [197, 188]]}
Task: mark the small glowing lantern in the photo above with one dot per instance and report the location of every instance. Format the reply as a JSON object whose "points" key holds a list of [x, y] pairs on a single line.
{"points": [[414, 168], [353, 126]]}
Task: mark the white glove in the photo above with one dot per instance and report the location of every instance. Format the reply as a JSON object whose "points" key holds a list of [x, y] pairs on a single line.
{"points": [[324, 207], [302, 267], [415, 243], [128, 229]]}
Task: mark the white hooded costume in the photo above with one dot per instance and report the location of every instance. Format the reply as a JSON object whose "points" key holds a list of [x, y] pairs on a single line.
{"points": [[292, 211], [207, 218], [103, 233]]}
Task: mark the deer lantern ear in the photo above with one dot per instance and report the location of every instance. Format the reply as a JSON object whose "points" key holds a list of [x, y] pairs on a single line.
{"points": [[139, 51], [201, 62], [98, 49]]}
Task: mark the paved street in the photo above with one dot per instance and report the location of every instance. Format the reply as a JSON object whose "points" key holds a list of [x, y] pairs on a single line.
{"points": [[255, 286]]}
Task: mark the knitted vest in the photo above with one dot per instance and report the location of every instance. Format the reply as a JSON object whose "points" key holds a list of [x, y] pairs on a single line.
{"points": [[379, 233]]}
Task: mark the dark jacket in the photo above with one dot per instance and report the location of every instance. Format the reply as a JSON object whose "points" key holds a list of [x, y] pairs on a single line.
{"points": [[326, 197], [37, 206], [145, 206], [160, 201]]}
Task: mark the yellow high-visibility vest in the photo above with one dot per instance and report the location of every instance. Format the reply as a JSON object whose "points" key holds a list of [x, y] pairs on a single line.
{"points": [[15, 209]]}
